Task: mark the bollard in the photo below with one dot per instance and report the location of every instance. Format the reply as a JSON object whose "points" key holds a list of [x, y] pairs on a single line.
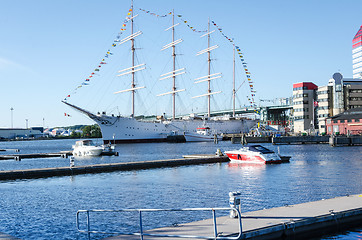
{"points": [[215, 138], [219, 153], [71, 161], [234, 202]]}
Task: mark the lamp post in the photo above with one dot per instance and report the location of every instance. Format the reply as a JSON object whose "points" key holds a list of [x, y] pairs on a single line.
{"points": [[12, 109]]}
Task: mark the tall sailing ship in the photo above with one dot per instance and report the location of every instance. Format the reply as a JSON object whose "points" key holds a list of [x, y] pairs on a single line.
{"points": [[120, 129]]}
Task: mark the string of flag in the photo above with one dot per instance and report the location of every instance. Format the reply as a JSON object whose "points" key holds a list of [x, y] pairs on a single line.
{"points": [[154, 14], [179, 16], [189, 26], [104, 60], [244, 64]]}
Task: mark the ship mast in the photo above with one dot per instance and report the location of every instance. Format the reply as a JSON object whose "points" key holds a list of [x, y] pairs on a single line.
{"points": [[234, 92], [210, 76], [133, 53], [174, 72], [133, 69]]}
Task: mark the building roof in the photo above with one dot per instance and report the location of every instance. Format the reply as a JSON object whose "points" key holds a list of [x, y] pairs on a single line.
{"points": [[354, 113], [307, 85], [352, 81], [357, 39]]}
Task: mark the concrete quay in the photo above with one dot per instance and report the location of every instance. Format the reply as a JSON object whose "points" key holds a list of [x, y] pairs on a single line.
{"points": [[300, 221], [236, 138], [110, 167], [300, 139], [336, 141]]}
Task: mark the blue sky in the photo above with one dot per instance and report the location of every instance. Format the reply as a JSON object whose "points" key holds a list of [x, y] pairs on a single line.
{"points": [[47, 48]]}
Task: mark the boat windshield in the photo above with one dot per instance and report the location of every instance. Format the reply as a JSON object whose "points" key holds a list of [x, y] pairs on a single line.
{"points": [[88, 143], [259, 148]]}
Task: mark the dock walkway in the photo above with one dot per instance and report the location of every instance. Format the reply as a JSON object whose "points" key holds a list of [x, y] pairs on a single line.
{"points": [[110, 167], [300, 221]]}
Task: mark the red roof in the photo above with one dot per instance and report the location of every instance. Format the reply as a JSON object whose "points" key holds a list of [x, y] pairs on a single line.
{"points": [[358, 36], [308, 85]]}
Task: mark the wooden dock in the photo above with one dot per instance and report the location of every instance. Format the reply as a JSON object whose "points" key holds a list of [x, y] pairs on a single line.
{"points": [[62, 154], [18, 157], [301, 221], [110, 167]]}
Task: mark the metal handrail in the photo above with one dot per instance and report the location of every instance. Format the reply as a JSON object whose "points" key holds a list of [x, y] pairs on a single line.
{"points": [[141, 233]]}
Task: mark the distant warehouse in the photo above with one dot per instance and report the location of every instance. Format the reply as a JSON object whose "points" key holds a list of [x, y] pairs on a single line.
{"points": [[16, 133]]}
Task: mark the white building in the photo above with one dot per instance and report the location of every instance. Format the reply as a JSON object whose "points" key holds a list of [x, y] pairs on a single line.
{"points": [[304, 106], [13, 133], [357, 54]]}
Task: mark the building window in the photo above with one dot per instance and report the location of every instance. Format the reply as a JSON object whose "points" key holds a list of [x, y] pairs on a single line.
{"points": [[335, 121], [356, 120], [356, 90]]}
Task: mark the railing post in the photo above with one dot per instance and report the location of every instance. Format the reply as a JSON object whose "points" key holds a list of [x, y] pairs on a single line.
{"points": [[88, 225], [215, 226], [141, 230]]}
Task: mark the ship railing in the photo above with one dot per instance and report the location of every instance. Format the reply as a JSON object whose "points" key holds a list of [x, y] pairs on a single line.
{"points": [[142, 233]]}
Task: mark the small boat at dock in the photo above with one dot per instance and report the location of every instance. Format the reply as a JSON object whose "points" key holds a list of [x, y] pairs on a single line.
{"points": [[84, 148], [255, 154], [202, 134]]}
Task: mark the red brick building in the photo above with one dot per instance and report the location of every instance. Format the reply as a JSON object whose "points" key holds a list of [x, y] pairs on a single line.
{"points": [[348, 122]]}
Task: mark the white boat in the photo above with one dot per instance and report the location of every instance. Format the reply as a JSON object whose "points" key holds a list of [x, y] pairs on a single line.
{"points": [[253, 154], [203, 134], [120, 129], [83, 148]]}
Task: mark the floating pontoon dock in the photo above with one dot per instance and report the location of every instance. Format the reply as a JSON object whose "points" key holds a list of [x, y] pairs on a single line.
{"points": [[110, 167], [63, 154], [301, 221]]}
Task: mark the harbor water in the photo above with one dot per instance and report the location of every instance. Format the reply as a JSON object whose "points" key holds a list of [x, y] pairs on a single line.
{"points": [[45, 208]]}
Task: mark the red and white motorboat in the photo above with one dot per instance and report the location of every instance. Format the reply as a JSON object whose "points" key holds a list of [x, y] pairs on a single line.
{"points": [[253, 154]]}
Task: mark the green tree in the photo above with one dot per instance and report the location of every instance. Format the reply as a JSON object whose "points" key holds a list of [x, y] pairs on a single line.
{"points": [[92, 131]]}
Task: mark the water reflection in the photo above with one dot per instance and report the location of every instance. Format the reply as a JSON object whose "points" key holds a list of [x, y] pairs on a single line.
{"points": [[45, 208]]}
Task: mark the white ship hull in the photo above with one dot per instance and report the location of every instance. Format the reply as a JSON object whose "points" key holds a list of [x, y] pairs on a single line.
{"points": [[127, 130], [117, 129]]}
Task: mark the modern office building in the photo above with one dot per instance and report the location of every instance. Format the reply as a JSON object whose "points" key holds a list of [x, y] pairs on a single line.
{"points": [[352, 93], [312, 105], [324, 105], [303, 106], [316, 107], [357, 54]]}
